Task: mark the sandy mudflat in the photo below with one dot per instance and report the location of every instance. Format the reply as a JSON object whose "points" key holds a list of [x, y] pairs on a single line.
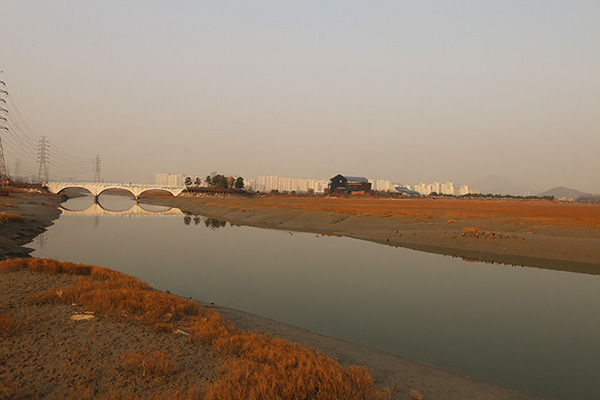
{"points": [[57, 357], [543, 234]]}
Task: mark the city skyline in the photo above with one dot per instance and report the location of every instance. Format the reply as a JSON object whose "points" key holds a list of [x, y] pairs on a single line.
{"points": [[408, 92]]}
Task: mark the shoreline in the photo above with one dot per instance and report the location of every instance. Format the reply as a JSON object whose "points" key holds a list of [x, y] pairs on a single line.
{"points": [[401, 375], [510, 241], [38, 211]]}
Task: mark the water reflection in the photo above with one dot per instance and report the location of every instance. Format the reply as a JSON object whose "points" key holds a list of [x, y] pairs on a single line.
{"points": [[211, 223], [109, 204], [116, 201]]}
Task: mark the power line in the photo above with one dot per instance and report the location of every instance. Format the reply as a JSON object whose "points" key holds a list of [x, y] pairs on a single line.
{"points": [[21, 142]]}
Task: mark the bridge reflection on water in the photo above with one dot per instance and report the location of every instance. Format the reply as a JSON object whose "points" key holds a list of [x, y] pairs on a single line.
{"points": [[136, 210], [125, 207]]}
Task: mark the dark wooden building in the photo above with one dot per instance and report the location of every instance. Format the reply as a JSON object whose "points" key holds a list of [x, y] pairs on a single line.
{"points": [[349, 184]]}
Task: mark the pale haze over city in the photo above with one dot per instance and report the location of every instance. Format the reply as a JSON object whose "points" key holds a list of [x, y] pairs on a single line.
{"points": [[409, 91]]}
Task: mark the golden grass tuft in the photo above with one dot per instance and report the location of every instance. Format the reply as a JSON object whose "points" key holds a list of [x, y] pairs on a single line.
{"points": [[10, 326], [45, 265], [149, 362], [272, 368], [9, 217], [257, 365]]}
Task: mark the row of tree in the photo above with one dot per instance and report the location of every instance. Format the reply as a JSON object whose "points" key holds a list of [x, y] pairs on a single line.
{"points": [[218, 181]]}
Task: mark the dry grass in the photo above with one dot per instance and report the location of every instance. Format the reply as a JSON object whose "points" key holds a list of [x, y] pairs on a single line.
{"points": [[149, 362], [9, 217], [256, 366], [4, 204], [540, 211], [10, 326]]}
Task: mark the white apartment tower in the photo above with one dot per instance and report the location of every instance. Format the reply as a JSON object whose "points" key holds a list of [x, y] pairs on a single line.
{"points": [[167, 179]]}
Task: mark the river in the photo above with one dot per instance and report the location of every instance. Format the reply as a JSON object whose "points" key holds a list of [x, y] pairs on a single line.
{"points": [[528, 329]]}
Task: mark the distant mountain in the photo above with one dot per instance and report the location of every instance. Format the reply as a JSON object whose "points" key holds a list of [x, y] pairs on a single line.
{"points": [[499, 185], [561, 191]]}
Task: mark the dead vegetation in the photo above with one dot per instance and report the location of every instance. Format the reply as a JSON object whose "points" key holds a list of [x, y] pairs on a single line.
{"points": [[450, 209], [9, 217], [254, 365], [10, 325], [149, 362]]}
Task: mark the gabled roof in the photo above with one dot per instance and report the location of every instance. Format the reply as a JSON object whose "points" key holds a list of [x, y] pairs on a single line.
{"points": [[354, 179]]}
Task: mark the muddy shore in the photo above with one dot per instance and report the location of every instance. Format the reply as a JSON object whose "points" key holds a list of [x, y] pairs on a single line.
{"points": [[37, 210], [402, 376], [511, 240]]}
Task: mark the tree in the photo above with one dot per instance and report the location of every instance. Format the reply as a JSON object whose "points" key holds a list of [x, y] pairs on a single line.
{"points": [[230, 181], [188, 181], [198, 182], [220, 181], [239, 183]]}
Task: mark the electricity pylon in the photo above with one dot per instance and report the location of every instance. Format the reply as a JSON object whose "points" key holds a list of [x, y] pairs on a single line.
{"points": [[17, 172], [43, 159], [3, 171], [97, 168]]}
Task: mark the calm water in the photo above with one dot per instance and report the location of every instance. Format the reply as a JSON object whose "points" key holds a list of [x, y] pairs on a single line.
{"points": [[528, 329]]}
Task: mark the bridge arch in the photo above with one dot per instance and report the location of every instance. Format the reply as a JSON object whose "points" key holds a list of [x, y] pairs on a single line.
{"points": [[158, 190], [74, 187], [114, 189]]}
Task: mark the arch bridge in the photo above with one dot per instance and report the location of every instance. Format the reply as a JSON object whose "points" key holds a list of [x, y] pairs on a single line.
{"points": [[96, 188]]}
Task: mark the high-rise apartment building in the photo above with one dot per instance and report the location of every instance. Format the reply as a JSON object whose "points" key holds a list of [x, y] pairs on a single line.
{"points": [[447, 188], [167, 179], [287, 184]]}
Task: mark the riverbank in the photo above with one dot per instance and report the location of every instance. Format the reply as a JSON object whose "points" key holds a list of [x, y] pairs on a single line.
{"points": [[115, 338], [542, 234], [27, 213]]}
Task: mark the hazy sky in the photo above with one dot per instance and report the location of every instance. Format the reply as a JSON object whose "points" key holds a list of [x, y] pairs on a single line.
{"points": [[404, 90]]}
